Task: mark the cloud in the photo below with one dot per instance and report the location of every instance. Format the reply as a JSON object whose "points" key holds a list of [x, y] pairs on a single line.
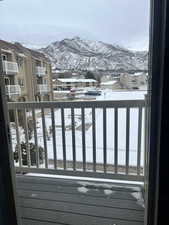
{"points": [[125, 22]]}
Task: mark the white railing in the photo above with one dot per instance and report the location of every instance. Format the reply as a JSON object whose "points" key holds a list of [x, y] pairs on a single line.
{"points": [[43, 88], [13, 90], [103, 139], [10, 67], [40, 71]]}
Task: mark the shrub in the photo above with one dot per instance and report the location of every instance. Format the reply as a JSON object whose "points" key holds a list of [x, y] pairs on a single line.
{"points": [[33, 150]]}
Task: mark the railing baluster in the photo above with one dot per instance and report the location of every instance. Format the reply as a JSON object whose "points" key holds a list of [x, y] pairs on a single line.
{"points": [[27, 138], [54, 138], [35, 137], [105, 139], [83, 139], [127, 138], [44, 138], [94, 138], [139, 140], [63, 138], [116, 140], [18, 137], [73, 138]]}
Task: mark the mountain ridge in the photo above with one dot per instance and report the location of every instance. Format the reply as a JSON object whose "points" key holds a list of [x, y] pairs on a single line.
{"points": [[80, 54]]}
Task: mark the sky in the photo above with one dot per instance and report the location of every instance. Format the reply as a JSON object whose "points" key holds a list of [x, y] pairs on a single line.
{"points": [[37, 23]]}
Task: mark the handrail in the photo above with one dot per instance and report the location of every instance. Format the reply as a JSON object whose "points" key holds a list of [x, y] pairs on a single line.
{"points": [[78, 104], [81, 136]]}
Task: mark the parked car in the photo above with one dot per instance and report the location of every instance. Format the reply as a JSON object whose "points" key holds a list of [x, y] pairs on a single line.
{"points": [[93, 92]]}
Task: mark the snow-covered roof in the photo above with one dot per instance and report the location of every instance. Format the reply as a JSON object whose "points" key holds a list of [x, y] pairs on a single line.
{"points": [[6, 50], [73, 80], [21, 55], [111, 82], [61, 92], [138, 74]]}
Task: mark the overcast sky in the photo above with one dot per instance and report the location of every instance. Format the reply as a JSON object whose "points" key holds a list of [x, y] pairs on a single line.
{"points": [[39, 22]]}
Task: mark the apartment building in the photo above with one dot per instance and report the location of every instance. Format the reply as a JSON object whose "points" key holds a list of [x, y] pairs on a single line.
{"points": [[133, 81], [27, 73], [68, 83]]}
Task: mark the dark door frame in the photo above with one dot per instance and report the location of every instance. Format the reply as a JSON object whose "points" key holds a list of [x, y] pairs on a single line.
{"points": [[8, 213], [158, 111]]}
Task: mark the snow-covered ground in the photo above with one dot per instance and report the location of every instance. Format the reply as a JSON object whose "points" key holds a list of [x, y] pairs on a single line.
{"points": [[106, 95]]}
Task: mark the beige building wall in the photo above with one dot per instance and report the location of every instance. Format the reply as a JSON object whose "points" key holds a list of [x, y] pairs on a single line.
{"points": [[26, 77], [44, 80], [132, 81], [29, 79]]}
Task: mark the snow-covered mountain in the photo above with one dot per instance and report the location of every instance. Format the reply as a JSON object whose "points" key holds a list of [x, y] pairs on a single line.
{"points": [[79, 54]]}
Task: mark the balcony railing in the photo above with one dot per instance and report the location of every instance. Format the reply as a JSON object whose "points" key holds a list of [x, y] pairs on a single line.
{"points": [[13, 90], [43, 88], [10, 68], [40, 71], [102, 139]]}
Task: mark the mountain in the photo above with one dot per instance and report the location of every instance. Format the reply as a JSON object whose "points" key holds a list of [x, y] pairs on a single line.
{"points": [[79, 54]]}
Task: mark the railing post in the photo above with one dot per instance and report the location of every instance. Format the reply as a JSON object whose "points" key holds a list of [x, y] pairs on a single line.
{"points": [[146, 143], [83, 139], [73, 138], [116, 140], [139, 140], [94, 137], [127, 139], [104, 139]]}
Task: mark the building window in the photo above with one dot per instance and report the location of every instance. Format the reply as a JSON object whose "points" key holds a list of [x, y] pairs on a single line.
{"points": [[4, 57], [21, 82], [7, 82], [19, 61], [133, 81], [45, 81]]}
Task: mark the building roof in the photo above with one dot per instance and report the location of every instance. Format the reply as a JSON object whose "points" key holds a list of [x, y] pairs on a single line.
{"points": [[111, 82], [4, 45], [20, 49], [73, 80], [138, 74]]}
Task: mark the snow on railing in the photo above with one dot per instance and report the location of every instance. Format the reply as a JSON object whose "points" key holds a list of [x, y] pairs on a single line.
{"points": [[40, 71], [10, 67], [103, 139], [12, 90], [43, 88]]}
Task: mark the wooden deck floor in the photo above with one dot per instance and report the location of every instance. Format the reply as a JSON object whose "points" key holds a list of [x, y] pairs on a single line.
{"points": [[49, 201]]}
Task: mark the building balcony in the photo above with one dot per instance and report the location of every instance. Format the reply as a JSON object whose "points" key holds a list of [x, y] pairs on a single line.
{"points": [[40, 71], [13, 90], [43, 88], [10, 68], [91, 139]]}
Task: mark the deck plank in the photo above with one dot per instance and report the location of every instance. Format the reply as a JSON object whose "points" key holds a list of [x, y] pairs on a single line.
{"points": [[38, 222], [99, 193], [81, 199], [48, 201], [72, 219], [83, 209], [76, 183]]}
